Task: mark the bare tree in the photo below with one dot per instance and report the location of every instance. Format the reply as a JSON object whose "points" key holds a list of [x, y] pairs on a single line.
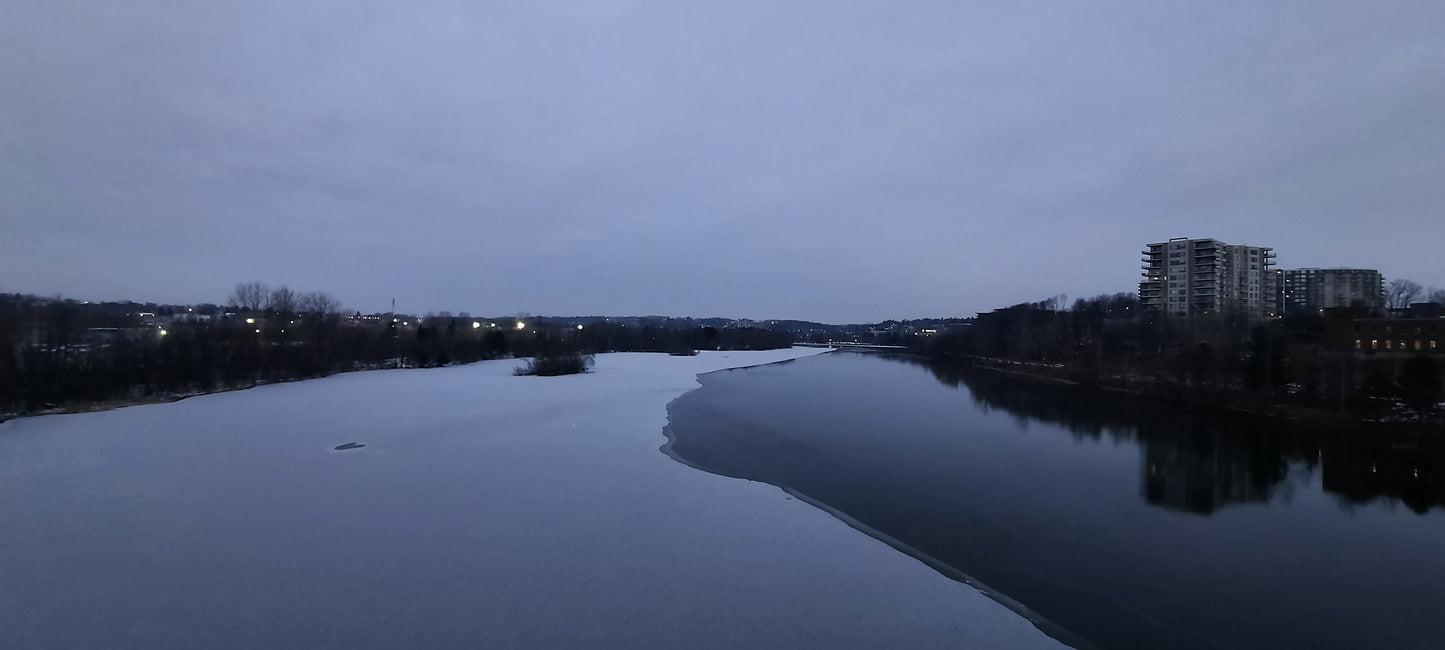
{"points": [[1437, 296], [283, 301], [320, 303], [1399, 293], [250, 296]]}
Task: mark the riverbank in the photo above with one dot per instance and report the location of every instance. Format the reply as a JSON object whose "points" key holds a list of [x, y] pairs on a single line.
{"points": [[1238, 401], [477, 509], [138, 398], [163, 397], [98, 406]]}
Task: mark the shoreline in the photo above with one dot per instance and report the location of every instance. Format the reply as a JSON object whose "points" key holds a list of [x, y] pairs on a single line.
{"points": [[75, 408], [78, 407], [1043, 624], [1305, 415]]}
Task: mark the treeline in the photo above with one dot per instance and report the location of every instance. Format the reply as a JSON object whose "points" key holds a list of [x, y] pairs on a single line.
{"points": [[1230, 359], [60, 353], [659, 337]]}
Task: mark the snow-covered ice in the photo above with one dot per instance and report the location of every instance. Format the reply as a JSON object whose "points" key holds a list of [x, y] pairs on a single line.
{"points": [[484, 510]]}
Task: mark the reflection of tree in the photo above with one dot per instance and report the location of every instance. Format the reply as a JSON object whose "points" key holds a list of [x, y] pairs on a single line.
{"points": [[1414, 476], [1034, 399], [1199, 459]]}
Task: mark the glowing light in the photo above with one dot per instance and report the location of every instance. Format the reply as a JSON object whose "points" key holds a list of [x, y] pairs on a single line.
{"points": [[258, 331], [476, 325], [579, 327], [521, 325], [250, 321], [163, 332]]}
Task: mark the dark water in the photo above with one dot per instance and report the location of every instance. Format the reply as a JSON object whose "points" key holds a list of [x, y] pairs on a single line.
{"points": [[1124, 523]]}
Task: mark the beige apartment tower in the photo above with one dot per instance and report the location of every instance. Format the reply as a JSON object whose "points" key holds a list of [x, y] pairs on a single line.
{"points": [[1188, 278]]}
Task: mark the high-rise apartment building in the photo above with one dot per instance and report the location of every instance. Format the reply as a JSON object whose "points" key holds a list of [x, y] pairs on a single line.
{"points": [[1198, 277], [1316, 289]]}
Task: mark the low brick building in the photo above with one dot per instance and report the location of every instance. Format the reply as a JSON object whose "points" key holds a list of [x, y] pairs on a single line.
{"points": [[1386, 335]]}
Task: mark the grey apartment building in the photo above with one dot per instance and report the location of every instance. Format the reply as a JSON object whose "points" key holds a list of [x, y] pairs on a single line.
{"points": [[1317, 289], [1200, 277]]}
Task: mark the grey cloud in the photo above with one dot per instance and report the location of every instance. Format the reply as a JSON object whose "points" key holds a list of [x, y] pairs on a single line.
{"points": [[833, 161]]}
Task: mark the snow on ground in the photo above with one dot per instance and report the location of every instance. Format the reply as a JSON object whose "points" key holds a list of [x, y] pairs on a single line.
{"points": [[485, 510]]}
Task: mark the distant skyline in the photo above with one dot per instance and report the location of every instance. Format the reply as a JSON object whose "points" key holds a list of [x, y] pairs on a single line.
{"points": [[828, 161]]}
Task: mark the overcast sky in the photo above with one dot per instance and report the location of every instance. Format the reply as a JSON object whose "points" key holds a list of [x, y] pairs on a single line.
{"points": [[834, 161]]}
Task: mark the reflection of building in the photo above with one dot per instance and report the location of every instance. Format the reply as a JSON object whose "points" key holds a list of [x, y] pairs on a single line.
{"points": [[1200, 461], [1203, 461], [1203, 472], [1198, 277], [1318, 289]]}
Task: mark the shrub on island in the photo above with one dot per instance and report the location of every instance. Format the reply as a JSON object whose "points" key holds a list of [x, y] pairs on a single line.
{"points": [[554, 365], [555, 357]]}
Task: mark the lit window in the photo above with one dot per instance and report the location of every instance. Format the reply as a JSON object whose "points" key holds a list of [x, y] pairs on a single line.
{"points": [[1357, 344], [1388, 343], [1417, 345], [1374, 344]]}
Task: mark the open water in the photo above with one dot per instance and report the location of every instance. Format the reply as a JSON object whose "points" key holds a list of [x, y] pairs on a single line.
{"points": [[1118, 522]]}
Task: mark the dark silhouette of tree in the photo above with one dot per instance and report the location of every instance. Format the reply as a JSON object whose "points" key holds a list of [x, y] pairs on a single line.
{"points": [[319, 303], [283, 301], [250, 296], [1399, 293], [1420, 384], [496, 342]]}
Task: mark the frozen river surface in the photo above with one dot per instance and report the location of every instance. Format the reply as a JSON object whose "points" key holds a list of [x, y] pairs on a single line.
{"points": [[484, 510]]}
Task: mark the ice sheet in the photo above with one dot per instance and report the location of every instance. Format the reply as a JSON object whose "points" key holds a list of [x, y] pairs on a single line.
{"points": [[484, 510]]}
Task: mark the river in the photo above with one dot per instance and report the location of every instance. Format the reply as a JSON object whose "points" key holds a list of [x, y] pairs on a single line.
{"points": [[1115, 521]]}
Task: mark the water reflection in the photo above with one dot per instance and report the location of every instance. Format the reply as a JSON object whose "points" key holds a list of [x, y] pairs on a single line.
{"points": [[1402, 471], [1199, 460], [1126, 522], [1203, 471]]}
